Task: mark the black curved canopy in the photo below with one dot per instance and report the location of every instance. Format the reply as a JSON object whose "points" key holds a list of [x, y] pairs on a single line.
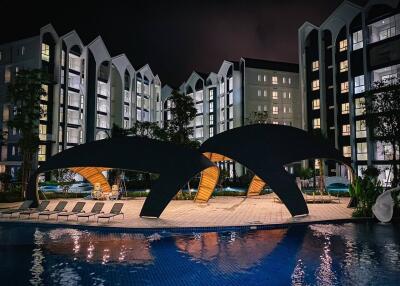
{"points": [[266, 149], [175, 164]]}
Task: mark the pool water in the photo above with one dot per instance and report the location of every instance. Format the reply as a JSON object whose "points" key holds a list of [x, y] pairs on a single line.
{"points": [[320, 254]]}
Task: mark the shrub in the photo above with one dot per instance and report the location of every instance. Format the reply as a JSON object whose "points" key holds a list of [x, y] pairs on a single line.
{"points": [[365, 190]]}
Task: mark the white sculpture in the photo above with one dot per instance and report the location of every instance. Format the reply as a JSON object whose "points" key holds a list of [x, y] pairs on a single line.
{"points": [[383, 207]]}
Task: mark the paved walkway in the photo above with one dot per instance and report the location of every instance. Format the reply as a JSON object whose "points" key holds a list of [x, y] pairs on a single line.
{"points": [[219, 211]]}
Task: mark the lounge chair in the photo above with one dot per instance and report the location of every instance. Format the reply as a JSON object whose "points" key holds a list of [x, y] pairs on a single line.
{"points": [[42, 207], [60, 207], [76, 210], [115, 211], [95, 211], [23, 207]]}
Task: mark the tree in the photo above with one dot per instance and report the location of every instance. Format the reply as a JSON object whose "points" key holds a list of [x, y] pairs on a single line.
{"points": [[5, 180], [25, 92], [148, 129], [258, 117], [382, 108], [65, 177], [364, 192], [183, 112]]}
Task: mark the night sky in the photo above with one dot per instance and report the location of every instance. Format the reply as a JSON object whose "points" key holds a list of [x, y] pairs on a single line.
{"points": [[175, 37]]}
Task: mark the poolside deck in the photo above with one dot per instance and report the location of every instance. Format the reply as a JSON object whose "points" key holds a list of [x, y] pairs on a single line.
{"points": [[219, 211]]}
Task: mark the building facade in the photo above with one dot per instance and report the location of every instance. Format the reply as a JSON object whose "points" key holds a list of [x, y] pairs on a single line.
{"points": [[240, 93], [339, 61], [91, 91]]}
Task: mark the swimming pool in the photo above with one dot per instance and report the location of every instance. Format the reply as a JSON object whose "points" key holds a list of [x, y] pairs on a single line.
{"points": [[319, 254]]}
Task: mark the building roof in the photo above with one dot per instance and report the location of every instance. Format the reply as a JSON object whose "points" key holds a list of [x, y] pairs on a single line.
{"points": [[203, 75], [271, 65]]}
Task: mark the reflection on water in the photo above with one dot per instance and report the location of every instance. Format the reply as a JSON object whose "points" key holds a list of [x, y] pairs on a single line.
{"points": [[332, 254], [99, 247], [37, 258], [233, 252]]}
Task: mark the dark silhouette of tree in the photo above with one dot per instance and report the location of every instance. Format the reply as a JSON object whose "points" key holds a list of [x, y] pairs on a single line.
{"points": [[258, 117], [24, 93], [382, 108], [183, 112]]}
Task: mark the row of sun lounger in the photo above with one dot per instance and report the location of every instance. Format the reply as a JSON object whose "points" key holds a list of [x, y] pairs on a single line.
{"points": [[60, 210]]}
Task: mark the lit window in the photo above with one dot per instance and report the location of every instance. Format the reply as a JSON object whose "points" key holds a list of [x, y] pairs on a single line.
{"points": [[45, 52], [274, 80], [316, 123], [22, 50], [259, 92], [199, 120], [289, 94], [42, 132], [344, 87], [259, 77], [361, 129], [362, 151], [259, 108], [289, 80], [222, 102], [343, 45], [284, 94], [138, 87], [357, 40], [275, 110], [360, 106], [265, 78], [284, 80], [284, 109], [344, 66], [211, 94], [275, 122], [7, 75], [315, 104], [315, 65], [43, 112], [315, 85], [265, 108], [346, 130], [265, 92], [46, 91], [274, 95], [385, 28], [347, 151], [42, 153], [345, 108], [199, 107], [211, 131], [211, 119], [359, 85], [211, 106]]}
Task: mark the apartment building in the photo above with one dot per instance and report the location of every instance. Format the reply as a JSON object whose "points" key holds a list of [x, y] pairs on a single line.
{"points": [[232, 96], [339, 61], [92, 90]]}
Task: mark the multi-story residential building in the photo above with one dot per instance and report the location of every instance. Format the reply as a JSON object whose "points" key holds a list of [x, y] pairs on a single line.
{"points": [[91, 91], [272, 87], [339, 61], [231, 97]]}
